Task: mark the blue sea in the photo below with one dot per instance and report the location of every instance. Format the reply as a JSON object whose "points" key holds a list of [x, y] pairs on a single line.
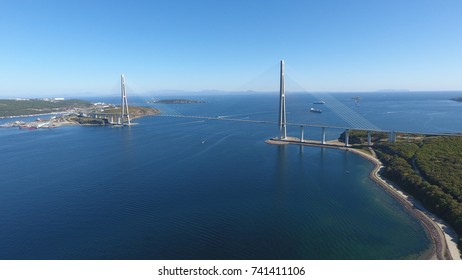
{"points": [[181, 188]]}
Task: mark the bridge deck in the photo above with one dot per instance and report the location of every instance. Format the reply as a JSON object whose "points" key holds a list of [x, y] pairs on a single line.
{"points": [[309, 125]]}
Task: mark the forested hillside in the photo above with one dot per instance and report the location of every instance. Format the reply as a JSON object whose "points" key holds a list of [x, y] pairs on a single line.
{"points": [[440, 161], [430, 170], [9, 107]]}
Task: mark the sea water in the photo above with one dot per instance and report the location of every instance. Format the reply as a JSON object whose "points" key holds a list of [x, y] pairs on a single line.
{"points": [[181, 188]]}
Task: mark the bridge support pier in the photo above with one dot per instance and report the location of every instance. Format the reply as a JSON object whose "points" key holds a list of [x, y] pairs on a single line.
{"points": [[323, 140], [369, 141], [302, 132], [391, 137], [347, 138]]}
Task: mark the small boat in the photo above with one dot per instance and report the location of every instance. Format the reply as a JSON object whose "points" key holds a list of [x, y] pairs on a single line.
{"points": [[28, 127], [315, 110], [319, 102]]}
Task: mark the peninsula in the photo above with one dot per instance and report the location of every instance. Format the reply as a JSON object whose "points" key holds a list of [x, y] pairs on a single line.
{"points": [[65, 112], [33, 107]]}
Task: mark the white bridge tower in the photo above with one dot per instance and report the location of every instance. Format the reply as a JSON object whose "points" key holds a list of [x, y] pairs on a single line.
{"points": [[282, 105], [124, 106]]}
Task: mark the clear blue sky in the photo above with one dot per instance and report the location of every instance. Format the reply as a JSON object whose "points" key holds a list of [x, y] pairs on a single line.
{"points": [[66, 47]]}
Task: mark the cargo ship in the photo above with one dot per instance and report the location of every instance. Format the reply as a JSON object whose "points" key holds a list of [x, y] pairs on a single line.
{"points": [[315, 110]]}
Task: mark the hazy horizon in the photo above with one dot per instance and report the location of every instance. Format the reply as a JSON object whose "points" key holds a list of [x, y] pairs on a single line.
{"points": [[181, 93]]}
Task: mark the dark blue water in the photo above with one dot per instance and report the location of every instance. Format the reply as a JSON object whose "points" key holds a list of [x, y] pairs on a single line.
{"points": [[175, 188]]}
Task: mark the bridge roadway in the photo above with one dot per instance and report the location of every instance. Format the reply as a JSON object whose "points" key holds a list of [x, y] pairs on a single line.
{"points": [[345, 128]]}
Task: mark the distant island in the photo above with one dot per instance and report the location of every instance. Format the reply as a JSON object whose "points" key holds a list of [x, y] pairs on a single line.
{"points": [[177, 101], [392, 90]]}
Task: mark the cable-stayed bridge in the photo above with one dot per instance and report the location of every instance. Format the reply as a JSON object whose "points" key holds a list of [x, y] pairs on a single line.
{"points": [[353, 120]]}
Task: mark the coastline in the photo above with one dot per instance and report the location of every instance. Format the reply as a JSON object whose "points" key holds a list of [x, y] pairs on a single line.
{"points": [[50, 123], [441, 234], [34, 115]]}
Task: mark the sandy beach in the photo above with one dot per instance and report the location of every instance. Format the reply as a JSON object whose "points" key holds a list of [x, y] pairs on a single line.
{"points": [[443, 236]]}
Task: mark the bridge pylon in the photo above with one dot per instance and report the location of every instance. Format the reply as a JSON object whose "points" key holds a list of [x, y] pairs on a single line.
{"points": [[124, 114], [282, 105]]}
